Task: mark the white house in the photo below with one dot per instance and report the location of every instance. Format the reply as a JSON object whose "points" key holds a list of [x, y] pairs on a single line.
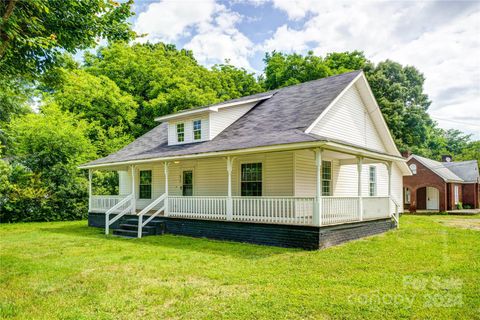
{"points": [[308, 158]]}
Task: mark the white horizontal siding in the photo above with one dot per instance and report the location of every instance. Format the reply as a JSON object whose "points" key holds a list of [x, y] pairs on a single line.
{"points": [[348, 120], [222, 119]]}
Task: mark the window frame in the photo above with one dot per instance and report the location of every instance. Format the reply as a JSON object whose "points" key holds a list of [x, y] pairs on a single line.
{"points": [[372, 183], [140, 185], [407, 194], [180, 133], [456, 194], [241, 181], [199, 130], [327, 193]]}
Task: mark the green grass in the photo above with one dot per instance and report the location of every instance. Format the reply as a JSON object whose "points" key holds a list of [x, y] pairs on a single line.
{"points": [[65, 270]]}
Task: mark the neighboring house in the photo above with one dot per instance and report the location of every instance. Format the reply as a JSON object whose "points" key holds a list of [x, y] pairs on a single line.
{"points": [[309, 165], [441, 186]]}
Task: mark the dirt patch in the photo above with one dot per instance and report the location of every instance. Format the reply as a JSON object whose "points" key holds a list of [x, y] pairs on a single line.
{"points": [[473, 224]]}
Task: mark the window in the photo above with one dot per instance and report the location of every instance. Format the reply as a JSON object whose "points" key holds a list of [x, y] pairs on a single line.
{"points": [[180, 132], [145, 184], [373, 181], [456, 194], [197, 129], [406, 192], [251, 179], [413, 167], [326, 178]]}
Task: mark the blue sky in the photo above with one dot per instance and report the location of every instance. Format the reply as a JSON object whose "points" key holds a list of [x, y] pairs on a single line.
{"points": [[440, 38]]}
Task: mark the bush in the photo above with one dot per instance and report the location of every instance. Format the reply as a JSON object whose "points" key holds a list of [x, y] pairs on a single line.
{"points": [[460, 205]]}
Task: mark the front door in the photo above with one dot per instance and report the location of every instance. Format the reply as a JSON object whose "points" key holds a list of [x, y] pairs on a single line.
{"points": [[187, 183], [432, 198]]}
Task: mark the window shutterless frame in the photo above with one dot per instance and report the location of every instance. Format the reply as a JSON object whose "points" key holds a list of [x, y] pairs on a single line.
{"points": [[251, 179], [180, 132], [372, 181], [326, 178], [145, 184], [197, 129]]}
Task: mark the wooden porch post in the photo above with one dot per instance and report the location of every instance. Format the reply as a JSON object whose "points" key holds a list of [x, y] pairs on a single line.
{"points": [[317, 212], [229, 198], [89, 190], [134, 207], [165, 168], [360, 196]]}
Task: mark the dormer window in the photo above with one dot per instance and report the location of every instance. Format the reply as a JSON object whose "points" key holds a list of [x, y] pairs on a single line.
{"points": [[180, 132], [197, 130]]}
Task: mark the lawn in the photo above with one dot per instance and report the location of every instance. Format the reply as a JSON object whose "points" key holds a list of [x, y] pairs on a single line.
{"points": [[429, 268]]}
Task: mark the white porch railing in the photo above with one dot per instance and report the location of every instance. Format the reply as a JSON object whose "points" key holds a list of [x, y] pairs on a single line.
{"points": [[289, 210], [337, 210], [284, 210], [103, 203], [198, 207], [125, 203]]}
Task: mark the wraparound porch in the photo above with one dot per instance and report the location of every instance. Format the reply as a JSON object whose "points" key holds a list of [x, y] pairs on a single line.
{"points": [[299, 187]]}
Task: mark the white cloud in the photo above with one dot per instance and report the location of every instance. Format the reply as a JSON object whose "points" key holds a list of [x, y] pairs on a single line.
{"points": [[441, 39], [219, 40], [209, 28], [168, 20]]}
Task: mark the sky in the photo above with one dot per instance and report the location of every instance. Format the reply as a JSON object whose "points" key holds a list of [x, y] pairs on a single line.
{"points": [[440, 38]]}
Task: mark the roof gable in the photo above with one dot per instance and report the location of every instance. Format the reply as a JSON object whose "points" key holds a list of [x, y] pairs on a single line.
{"points": [[438, 168], [359, 106]]}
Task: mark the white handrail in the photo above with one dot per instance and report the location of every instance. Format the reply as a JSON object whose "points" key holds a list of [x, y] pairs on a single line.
{"points": [[395, 215], [141, 224], [108, 222]]}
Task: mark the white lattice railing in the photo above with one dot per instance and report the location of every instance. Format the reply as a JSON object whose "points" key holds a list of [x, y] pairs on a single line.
{"points": [[198, 207], [103, 203], [337, 210], [290, 210]]}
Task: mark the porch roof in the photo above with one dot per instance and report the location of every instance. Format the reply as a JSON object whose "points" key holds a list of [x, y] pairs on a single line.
{"points": [[278, 120]]}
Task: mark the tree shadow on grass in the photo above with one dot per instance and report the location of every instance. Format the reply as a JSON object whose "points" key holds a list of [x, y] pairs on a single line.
{"points": [[202, 245]]}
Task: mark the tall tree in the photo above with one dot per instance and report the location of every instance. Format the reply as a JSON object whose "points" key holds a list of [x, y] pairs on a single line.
{"points": [[163, 79], [34, 32]]}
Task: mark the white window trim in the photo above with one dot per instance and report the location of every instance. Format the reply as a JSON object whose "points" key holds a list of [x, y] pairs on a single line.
{"points": [[456, 193], [370, 182], [193, 129], [331, 178], [239, 175], [176, 131]]}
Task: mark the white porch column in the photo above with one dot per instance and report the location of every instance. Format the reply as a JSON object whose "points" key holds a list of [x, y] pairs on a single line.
{"points": [[360, 196], [317, 212], [389, 168], [165, 169], [89, 190], [134, 206], [229, 198]]}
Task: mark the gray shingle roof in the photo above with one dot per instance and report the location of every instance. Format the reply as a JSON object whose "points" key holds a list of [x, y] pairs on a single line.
{"points": [[281, 119], [467, 170], [464, 171]]}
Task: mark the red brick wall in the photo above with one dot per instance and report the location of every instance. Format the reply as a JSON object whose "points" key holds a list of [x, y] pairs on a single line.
{"points": [[424, 178], [470, 194]]}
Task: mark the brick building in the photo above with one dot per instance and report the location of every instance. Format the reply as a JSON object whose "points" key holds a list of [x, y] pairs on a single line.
{"points": [[441, 186]]}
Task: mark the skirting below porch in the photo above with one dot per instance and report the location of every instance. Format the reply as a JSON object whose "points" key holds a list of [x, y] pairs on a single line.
{"points": [[292, 236]]}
